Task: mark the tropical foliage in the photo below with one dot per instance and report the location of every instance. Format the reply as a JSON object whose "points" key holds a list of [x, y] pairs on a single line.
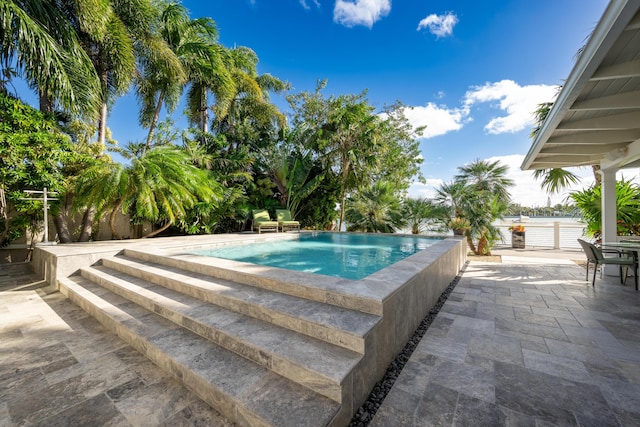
{"points": [[160, 186], [478, 196], [334, 160], [589, 202], [375, 209], [423, 215], [34, 153]]}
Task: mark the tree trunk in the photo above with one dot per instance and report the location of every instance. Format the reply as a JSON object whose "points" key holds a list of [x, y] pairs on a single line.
{"points": [[159, 230], [154, 121], [112, 219], [62, 227], [596, 175], [102, 128], [5, 218], [87, 224], [204, 117], [46, 104], [345, 173], [483, 247], [471, 245], [104, 87], [342, 199]]}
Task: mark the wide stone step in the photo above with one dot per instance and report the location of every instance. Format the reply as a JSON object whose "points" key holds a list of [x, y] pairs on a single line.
{"points": [[336, 325], [318, 365], [240, 389], [304, 285]]}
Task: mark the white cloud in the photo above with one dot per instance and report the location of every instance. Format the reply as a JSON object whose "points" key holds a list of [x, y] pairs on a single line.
{"points": [[439, 25], [527, 191], [438, 119], [306, 5], [418, 190], [360, 12], [519, 102]]}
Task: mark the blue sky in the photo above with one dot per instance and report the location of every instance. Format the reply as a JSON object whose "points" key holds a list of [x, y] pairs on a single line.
{"points": [[473, 70]]}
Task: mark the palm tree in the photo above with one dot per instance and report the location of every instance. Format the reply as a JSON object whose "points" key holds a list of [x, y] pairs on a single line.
{"points": [[451, 195], [166, 185], [213, 76], [479, 194], [481, 208], [553, 179], [200, 58], [420, 214], [159, 187], [627, 208], [41, 39], [347, 141], [291, 168], [113, 50], [483, 175], [375, 209], [248, 119]]}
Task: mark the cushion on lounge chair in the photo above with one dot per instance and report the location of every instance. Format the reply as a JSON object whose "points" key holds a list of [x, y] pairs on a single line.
{"points": [[285, 221], [262, 221]]}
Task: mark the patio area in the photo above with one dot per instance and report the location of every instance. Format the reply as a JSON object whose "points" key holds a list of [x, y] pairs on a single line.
{"points": [[524, 342]]}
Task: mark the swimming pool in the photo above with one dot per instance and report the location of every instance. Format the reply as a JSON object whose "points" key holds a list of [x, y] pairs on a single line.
{"points": [[344, 255]]}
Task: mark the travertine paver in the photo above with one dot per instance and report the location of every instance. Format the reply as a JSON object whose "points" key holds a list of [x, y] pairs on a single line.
{"points": [[525, 343], [60, 367]]}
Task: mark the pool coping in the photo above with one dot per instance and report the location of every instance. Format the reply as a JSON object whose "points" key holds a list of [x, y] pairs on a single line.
{"points": [[367, 294]]}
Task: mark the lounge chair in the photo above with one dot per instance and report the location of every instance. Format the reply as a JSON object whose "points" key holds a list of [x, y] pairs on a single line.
{"points": [[622, 259], [285, 221], [262, 221]]}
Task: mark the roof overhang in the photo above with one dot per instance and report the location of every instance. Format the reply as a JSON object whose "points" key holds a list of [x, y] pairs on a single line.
{"points": [[596, 117]]}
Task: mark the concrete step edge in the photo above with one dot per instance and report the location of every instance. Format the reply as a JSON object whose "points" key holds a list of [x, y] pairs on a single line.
{"points": [[244, 401], [336, 363], [339, 299], [338, 326]]}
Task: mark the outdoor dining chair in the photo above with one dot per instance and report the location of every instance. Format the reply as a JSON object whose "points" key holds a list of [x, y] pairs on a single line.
{"points": [[622, 259]]}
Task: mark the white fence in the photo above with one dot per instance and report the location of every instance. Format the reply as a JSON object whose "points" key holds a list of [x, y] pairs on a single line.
{"points": [[557, 234]]}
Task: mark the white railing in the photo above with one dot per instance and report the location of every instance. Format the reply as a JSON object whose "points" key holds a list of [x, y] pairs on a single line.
{"points": [[557, 235]]}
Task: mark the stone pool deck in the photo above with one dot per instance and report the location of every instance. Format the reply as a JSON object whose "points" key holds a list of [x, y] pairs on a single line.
{"points": [[60, 367], [529, 343], [525, 342]]}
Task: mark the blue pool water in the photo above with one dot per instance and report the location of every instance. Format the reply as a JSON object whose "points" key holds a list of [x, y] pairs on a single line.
{"points": [[349, 256]]}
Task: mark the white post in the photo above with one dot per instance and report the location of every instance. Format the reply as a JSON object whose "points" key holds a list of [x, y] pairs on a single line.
{"points": [[45, 199], [46, 217], [556, 235], [609, 212]]}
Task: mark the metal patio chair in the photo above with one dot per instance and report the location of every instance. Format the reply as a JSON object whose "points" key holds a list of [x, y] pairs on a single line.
{"points": [[622, 259]]}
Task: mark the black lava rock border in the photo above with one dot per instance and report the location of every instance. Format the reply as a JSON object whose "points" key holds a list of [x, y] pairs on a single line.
{"points": [[366, 412]]}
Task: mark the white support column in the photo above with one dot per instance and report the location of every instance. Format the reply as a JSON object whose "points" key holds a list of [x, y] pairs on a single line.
{"points": [[609, 212]]}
